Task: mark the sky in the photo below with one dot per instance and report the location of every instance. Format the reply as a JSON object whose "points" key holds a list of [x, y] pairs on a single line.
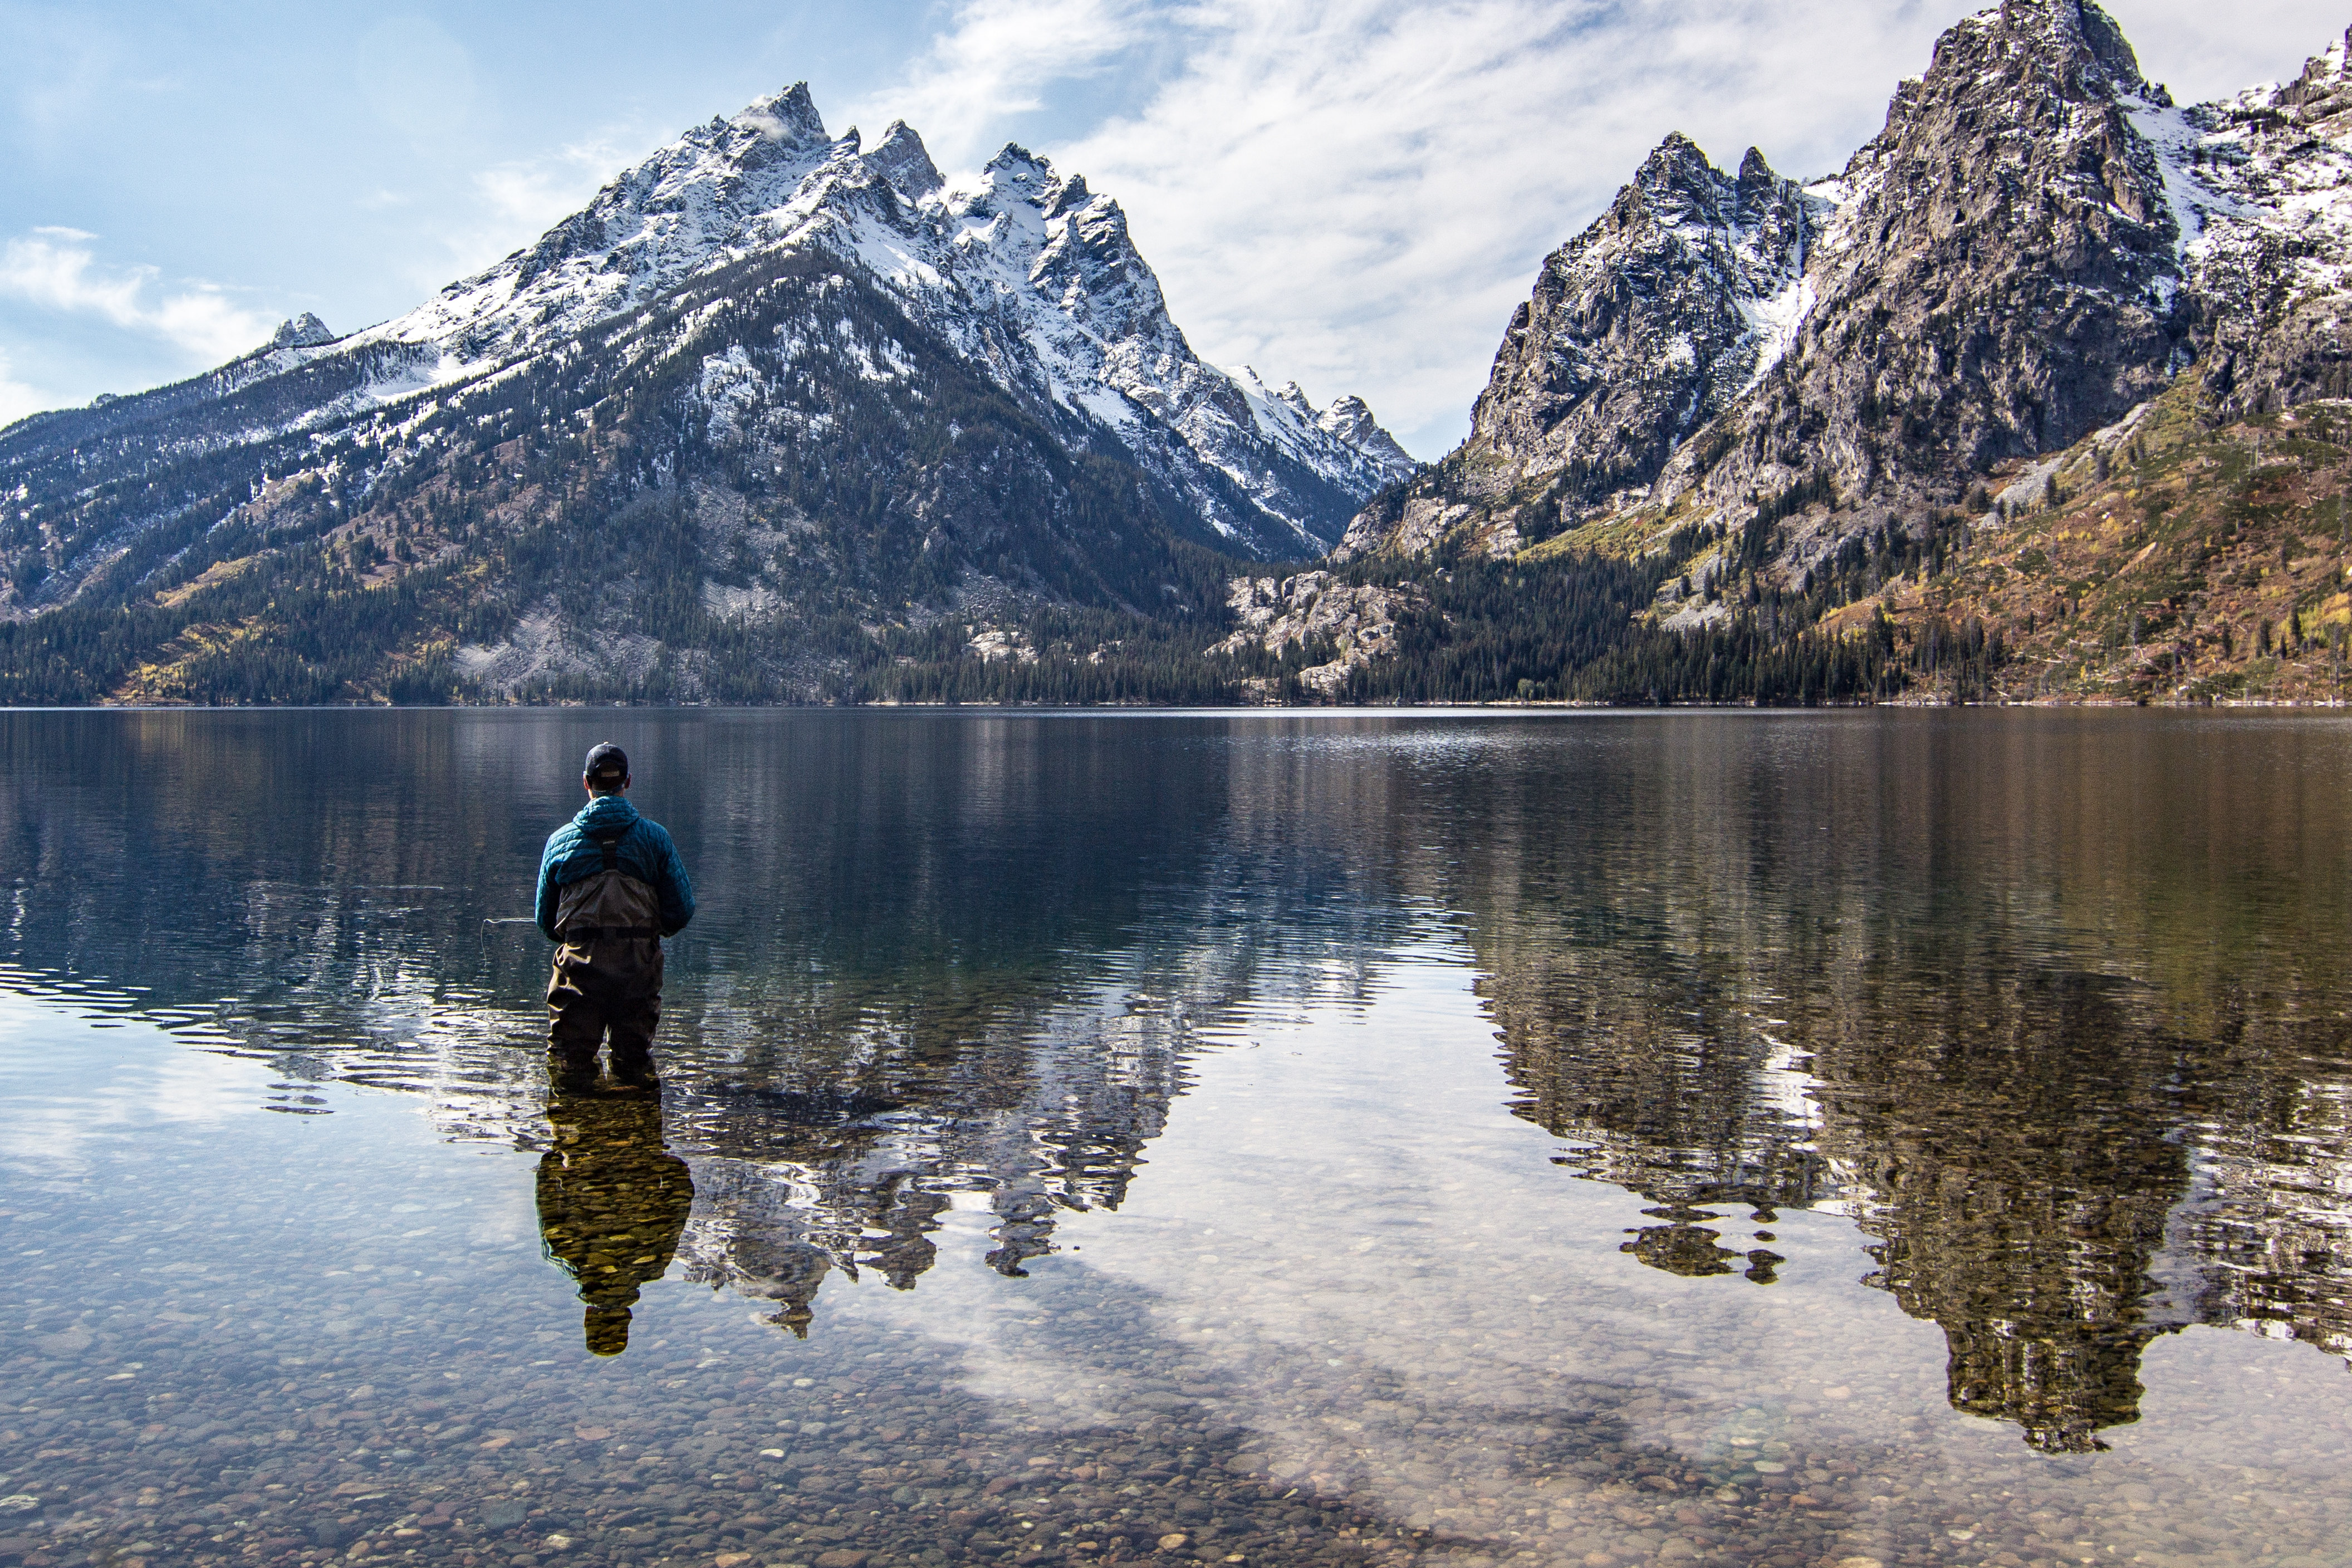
{"points": [[1352, 194]]}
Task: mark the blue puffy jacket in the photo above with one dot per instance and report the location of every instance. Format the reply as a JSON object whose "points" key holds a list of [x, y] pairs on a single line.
{"points": [[646, 853]]}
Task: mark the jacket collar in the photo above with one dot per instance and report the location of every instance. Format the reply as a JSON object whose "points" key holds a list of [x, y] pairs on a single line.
{"points": [[607, 812]]}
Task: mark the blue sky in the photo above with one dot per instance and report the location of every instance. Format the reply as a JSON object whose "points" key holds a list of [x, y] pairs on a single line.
{"points": [[1352, 193]]}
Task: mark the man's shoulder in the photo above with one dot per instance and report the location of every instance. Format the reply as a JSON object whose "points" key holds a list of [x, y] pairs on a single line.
{"points": [[561, 841], [653, 832]]}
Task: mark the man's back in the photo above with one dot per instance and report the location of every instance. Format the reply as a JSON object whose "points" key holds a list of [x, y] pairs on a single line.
{"points": [[644, 853], [611, 885]]}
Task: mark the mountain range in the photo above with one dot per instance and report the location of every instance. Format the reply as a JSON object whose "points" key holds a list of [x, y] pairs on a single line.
{"points": [[2026, 400], [1813, 399], [771, 396]]}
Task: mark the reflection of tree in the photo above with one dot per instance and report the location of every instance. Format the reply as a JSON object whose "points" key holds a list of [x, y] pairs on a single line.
{"points": [[612, 1202], [2009, 1138], [1662, 1086]]}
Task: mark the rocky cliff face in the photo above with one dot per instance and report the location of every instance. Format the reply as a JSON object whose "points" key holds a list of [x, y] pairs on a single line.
{"points": [[2037, 242], [2002, 277], [1639, 330], [2268, 182]]}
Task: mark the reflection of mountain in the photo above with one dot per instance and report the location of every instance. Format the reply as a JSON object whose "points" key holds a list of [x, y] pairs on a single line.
{"points": [[2019, 1144], [2053, 1006], [945, 962], [1660, 1087], [1918, 1019], [2013, 1136]]}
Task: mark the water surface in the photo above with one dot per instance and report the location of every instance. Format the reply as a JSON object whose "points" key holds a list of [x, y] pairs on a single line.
{"points": [[1580, 1139]]}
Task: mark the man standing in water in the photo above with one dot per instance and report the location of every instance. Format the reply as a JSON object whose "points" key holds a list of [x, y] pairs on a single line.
{"points": [[611, 885]]}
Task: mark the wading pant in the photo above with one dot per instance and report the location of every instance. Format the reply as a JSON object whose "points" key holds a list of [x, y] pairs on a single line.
{"points": [[603, 986]]}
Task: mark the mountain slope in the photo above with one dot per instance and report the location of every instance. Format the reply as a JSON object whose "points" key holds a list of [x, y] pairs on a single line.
{"points": [[769, 402]]}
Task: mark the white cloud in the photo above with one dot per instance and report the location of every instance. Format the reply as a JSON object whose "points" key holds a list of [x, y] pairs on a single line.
{"points": [[531, 195], [55, 269], [16, 398], [996, 59], [507, 205], [513, 202], [1357, 193]]}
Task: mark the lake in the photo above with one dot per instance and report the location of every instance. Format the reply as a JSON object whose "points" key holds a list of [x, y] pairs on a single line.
{"points": [[1590, 1139]]}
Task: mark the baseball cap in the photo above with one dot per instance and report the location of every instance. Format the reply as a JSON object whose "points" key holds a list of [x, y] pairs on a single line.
{"points": [[606, 760]]}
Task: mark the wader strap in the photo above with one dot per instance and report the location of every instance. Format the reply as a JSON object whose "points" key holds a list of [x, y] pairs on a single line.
{"points": [[609, 845]]}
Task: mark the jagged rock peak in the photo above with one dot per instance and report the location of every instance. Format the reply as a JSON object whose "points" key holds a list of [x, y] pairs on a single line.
{"points": [[901, 158], [1350, 419], [1015, 162], [1677, 159], [2324, 76], [1677, 183], [1638, 331], [789, 117], [302, 331], [2079, 40]]}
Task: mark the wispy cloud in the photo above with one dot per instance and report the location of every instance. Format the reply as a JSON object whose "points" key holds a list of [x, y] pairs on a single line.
{"points": [[1357, 193], [55, 269], [530, 195], [511, 204], [998, 60]]}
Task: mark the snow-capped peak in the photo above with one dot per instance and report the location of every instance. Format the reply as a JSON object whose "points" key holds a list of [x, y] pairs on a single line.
{"points": [[1027, 272], [302, 331], [789, 117], [901, 158]]}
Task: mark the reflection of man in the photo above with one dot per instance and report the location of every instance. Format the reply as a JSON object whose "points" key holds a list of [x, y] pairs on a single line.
{"points": [[611, 885], [612, 1202]]}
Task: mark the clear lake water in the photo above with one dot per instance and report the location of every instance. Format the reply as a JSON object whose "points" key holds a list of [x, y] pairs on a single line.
{"points": [[1806, 1140]]}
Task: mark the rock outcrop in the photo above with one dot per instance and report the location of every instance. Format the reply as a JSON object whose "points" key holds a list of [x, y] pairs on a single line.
{"points": [[1639, 330], [2272, 257], [1356, 622], [2037, 242]]}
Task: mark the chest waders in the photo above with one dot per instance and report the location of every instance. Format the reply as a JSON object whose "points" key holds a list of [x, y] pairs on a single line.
{"points": [[608, 972]]}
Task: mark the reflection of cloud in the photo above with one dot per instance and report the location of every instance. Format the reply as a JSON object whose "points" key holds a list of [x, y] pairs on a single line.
{"points": [[60, 1107], [55, 269]]}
